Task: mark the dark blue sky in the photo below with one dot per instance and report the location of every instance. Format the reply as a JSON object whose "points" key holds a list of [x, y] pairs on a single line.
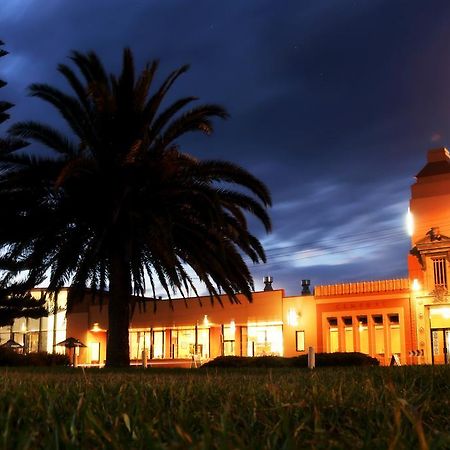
{"points": [[333, 104]]}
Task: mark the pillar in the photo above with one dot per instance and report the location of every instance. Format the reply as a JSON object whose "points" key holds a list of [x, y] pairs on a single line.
{"points": [[168, 347], [371, 335], [355, 325], [387, 339], [341, 333]]}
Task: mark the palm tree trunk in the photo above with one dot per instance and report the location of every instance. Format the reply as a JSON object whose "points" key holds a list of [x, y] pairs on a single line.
{"points": [[117, 350]]}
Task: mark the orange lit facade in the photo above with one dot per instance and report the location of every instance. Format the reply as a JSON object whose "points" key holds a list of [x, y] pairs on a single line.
{"points": [[409, 317]]}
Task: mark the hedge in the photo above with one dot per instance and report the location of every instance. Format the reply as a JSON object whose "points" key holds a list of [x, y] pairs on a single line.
{"points": [[9, 357], [322, 360]]}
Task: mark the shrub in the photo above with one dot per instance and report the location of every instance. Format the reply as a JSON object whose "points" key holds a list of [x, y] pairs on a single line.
{"points": [[338, 359], [246, 361], [322, 360], [9, 357], [47, 359]]}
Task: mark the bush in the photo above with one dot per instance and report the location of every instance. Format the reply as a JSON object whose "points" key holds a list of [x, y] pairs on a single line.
{"points": [[322, 360], [338, 359], [246, 361], [9, 357], [46, 359]]}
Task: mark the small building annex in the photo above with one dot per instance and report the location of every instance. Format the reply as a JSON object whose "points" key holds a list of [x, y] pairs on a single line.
{"points": [[407, 317]]}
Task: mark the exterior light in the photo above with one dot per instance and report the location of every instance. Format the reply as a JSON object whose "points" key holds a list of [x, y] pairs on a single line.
{"points": [[409, 222], [205, 320], [232, 327], [292, 317], [96, 328], [415, 285]]}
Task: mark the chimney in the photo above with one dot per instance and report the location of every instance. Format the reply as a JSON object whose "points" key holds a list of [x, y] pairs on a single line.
{"points": [[268, 283], [305, 287]]}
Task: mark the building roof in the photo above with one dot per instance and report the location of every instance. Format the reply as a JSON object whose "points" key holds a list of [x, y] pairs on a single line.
{"points": [[438, 163]]}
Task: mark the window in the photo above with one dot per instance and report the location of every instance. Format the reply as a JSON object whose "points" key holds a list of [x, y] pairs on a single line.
{"points": [[189, 342], [393, 318], [264, 340], [94, 349], [158, 345], [334, 340], [396, 346], [300, 341], [349, 346], [363, 335], [32, 341], [440, 272], [229, 333], [138, 341]]}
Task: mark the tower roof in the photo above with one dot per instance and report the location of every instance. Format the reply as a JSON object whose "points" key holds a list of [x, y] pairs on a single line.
{"points": [[438, 163]]}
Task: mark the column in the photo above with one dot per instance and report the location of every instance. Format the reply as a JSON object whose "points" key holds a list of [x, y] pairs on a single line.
{"points": [[355, 325], [168, 342], [371, 335], [387, 340], [237, 341], [341, 333]]}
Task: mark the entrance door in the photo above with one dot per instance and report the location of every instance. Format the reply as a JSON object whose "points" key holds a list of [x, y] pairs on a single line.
{"points": [[440, 345]]}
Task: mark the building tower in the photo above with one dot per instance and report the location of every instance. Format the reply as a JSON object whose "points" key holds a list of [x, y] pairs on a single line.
{"points": [[429, 261]]}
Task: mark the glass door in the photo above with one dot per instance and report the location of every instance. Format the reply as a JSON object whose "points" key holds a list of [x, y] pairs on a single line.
{"points": [[440, 345]]}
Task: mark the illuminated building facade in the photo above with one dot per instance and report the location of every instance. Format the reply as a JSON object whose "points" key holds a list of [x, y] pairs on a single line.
{"points": [[407, 317]]}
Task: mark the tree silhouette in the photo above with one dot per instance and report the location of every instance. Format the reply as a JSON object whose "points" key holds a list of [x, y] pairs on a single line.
{"points": [[119, 206], [14, 305]]}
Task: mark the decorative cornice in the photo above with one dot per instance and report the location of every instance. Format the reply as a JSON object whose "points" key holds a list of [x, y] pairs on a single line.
{"points": [[433, 243]]}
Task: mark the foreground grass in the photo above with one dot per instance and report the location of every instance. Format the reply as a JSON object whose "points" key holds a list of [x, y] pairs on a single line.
{"points": [[397, 408]]}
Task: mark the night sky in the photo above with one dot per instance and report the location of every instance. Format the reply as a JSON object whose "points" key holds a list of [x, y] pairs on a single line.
{"points": [[333, 105]]}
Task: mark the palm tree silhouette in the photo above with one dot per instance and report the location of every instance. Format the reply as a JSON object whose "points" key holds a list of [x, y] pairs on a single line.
{"points": [[117, 205], [15, 304]]}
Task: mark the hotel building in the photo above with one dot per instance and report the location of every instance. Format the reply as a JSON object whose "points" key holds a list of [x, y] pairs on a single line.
{"points": [[407, 317]]}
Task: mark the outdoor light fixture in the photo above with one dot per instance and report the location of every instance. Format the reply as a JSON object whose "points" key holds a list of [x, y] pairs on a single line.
{"points": [[232, 327], [292, 317], [415, 285], [205, 320], [409, 222], [96, 328]]}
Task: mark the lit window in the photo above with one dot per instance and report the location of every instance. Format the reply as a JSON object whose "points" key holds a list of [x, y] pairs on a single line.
{"points": [[300, 341], [292, 317], [334, 340], [94, 348], [265, 340], [229, 333]]}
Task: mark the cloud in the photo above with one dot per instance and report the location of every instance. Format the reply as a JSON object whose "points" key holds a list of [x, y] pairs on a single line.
{"points": [[333, 103]]}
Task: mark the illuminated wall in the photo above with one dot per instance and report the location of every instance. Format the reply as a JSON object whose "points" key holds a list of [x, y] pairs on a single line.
{"points": [[407, 317]]}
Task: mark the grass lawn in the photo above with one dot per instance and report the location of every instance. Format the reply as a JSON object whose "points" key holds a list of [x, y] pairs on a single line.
{"points": [[373, 408]]}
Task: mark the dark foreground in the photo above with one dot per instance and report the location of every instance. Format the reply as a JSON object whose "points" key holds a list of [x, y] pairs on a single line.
{"points": [[397, 408]]}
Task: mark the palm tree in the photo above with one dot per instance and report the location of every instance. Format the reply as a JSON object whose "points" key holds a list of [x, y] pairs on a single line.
{"points": [[118, 204], [15, 304]]}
